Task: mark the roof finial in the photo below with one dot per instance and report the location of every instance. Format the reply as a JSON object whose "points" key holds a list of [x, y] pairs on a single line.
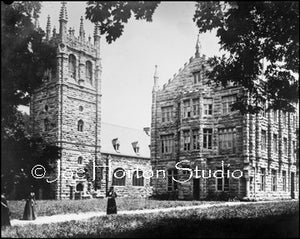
{"points": [[81, 30], [48, 28], [198, 48]]}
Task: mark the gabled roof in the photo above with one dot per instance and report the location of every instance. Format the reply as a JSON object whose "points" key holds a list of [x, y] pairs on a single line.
{"points": [[126, 136]]}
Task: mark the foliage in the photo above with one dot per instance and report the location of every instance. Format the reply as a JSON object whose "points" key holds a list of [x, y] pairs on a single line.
{"points": [[262, 39], [273, 218], [250, 32], [111, 16], [24, 59]]}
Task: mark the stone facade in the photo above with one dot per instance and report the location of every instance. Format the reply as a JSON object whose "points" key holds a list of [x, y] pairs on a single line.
{"points": [[66, 110], [191, 124]]}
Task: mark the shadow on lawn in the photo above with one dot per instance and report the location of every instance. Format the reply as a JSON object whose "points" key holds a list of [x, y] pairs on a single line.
{"points": [[283, 226]]}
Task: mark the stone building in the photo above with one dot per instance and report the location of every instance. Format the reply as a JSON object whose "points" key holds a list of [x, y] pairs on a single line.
{"points": [[194, 128], [66, 110], [126, 153]]}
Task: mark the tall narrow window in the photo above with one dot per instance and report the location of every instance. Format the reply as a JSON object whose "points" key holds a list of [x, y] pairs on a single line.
{"points": [[285, 147], [46, 124], [284, 118], [166, 113], [196, 107], [137, 178], [197, 77], [80, 126], [166, 144], [207, 106], [119, 177], [186, 109], [72, 66], [186, 140], [227, 139], [294, 150], [263, 140], [264, 109], [79, 160], [275, 143], [196, 143], [222, 181], [207, 138], [89, 72], [284, 180], [227, 102], [172, 184], [262, 179], [273, 180]]}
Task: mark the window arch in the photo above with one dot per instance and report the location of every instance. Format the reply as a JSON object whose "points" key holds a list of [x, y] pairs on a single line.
{"points": [[89, 72], [119, 177], [80, 159], [137, 178], [72, 66], [80, 126], [79, 187], [46, 124]]}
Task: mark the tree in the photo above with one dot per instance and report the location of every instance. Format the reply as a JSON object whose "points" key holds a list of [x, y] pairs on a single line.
{"points": [[24, 59], [24, 56], [112, 15], [251, 33]]}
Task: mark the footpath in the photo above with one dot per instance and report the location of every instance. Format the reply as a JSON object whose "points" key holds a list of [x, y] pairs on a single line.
{"points": [[88, 215]]}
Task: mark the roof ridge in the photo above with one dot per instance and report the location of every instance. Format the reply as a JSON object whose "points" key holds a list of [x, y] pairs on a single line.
{"points": [[121, 126]]}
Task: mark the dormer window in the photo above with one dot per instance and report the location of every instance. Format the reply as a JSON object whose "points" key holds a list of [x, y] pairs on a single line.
{"points": [[116, 144], [136, 147], [197, 77]]}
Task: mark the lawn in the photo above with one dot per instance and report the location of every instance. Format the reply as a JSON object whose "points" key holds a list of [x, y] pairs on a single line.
{"points": [[53, 207], [273, 219]]}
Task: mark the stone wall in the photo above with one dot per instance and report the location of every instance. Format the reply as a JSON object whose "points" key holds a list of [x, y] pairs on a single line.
{"points": [[129, 164], [248, 155]]}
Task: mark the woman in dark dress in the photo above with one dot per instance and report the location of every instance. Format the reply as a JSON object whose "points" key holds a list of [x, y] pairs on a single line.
{"points": [[29, 211], [5, 221], [111, 202]]}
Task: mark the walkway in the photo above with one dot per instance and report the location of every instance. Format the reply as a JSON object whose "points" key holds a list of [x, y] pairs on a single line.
{"points": [[87, 215]]}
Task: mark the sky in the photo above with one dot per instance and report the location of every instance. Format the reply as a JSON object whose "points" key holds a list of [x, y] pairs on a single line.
{"points": [[128, 63]]}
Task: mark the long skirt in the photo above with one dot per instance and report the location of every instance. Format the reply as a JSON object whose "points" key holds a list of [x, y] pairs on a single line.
{"points": [[29, 211], [5, 221], [111, 206]]}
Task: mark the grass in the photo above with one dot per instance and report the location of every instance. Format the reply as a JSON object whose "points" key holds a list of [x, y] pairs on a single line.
{"points": [[273, 219], [53, 207]]}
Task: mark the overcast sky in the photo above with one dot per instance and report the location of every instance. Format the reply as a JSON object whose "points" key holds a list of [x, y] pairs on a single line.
{"points": [[128, 63]]}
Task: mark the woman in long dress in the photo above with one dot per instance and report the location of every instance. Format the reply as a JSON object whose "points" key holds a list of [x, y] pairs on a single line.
{"points": [[29, 211], [5, 221], [111, 202]]}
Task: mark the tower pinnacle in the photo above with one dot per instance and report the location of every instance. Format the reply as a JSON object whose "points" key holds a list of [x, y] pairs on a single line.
{"points": [[198, 48], [48, 29], [155, 76], [81, 29]]}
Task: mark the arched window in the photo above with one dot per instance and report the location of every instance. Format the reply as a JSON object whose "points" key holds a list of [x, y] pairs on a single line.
{"points": [[46, 124], [89, 72], [80, 126], [119, 177], [79, 160], [138, 179], [79, 187], [72, 66]]}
